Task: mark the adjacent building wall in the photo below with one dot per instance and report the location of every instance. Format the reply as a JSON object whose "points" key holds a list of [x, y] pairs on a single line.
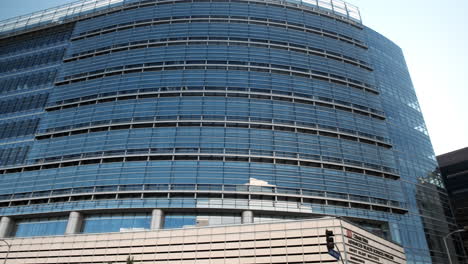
{"points": [[454, 169]]}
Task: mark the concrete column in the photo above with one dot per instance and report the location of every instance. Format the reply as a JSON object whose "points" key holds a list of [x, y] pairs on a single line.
{"points": [[247, 217], [7, 225], [157, 219], [75, 220]]}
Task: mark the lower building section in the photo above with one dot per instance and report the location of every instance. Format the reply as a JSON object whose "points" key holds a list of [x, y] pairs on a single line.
{"points": [[301, 241], [145, 219]]}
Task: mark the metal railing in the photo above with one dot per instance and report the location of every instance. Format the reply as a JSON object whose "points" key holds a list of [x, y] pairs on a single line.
{"points": [[72, 11]]}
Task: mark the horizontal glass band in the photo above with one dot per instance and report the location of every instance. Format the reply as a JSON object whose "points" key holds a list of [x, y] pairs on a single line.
{"points": [[221, 19], [218, 65], [383, 172], [228, 41], [202, 192], [210, 121], [186, 92]]}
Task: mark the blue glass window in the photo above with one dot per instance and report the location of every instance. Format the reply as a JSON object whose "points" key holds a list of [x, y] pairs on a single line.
{"points": [[102, 223], [40, 227], [199, 220]]}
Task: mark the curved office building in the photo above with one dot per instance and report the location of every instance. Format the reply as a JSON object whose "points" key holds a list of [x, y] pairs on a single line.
{"points": [[128, 115]]}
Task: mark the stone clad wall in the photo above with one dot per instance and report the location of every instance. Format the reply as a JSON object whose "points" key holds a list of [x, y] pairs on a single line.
{"points": [[280, 242]]}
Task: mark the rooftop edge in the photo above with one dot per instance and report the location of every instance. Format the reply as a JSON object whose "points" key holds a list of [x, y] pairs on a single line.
{"points": [[83, 8]]}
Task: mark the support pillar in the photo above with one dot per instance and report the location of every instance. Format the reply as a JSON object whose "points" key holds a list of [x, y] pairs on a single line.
{"points": [[247, 217], [7, 225], [157, 219], [75, 220]]}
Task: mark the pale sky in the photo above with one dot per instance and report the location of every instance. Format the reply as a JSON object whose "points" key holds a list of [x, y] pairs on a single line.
{"points": [[434, 38]]}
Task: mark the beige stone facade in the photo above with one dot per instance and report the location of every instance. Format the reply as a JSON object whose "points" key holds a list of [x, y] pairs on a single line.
{"points": [[277, 242]]}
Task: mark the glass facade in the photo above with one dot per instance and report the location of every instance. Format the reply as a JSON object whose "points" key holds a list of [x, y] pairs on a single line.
{"points": [[104, 223], [208, 109], [183, 220], [40, 226]]}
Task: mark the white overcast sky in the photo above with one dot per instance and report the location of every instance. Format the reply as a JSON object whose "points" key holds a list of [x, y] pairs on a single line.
{"points": [[434, 38]]}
